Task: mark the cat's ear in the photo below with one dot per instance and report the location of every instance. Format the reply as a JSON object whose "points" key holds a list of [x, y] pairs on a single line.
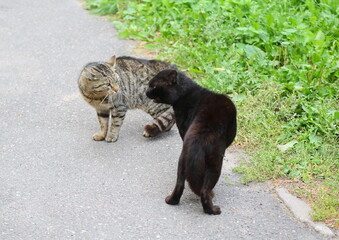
{"points": [[112, 61], [172, 77]]}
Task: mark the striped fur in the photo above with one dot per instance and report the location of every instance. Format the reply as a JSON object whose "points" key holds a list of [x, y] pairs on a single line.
{"points": [[125, 79]]}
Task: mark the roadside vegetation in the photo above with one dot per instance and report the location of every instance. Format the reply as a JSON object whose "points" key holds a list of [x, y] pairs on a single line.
{"points": [[277, 59]]}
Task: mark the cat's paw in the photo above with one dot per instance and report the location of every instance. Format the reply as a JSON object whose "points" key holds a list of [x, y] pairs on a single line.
{"points": [[98, 137], [171, 200], [151, 130], [111, 138], [215, 210]]}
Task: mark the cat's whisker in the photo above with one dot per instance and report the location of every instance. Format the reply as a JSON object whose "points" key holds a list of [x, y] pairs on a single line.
{"points": [[104, 98]]}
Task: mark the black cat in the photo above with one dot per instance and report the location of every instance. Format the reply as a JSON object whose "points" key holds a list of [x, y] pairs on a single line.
{"points": [[207, 126]]}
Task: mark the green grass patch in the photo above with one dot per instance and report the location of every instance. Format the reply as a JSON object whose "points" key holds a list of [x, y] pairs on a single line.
{"points": [[278, 59], [327, 208]]}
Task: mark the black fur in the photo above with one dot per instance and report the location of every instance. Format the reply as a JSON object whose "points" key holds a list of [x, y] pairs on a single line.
{"points": [[207, 126]]}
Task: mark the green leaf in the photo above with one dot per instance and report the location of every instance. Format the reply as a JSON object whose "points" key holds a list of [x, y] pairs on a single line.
{"points": [[125, 34], [287, 146], [320, 36], [269, 19], [194, 70], [298, 86], [294, 173], [336, 116], [238, 97], [118, 24], [319, 40], [253, 51], [152, 46], [314, 139], [289, 31]]}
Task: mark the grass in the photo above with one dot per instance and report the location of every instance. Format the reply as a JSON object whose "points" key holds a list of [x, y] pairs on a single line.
{"points": [[278, 59]]}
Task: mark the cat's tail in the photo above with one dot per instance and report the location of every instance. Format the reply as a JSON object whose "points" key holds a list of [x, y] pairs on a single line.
{"points": [[195, 167]]}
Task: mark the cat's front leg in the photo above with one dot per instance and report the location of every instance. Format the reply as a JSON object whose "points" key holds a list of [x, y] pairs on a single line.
{"points": [[103, 121], [118, 116]]}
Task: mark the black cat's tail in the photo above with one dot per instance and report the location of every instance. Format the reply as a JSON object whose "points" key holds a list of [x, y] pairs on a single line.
{"points": [[195, 167]]}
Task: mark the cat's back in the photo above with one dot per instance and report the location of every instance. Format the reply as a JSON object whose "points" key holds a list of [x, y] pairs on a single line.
{"points": [[216, 108], [219, 115], [140, 65], [135, 74]]}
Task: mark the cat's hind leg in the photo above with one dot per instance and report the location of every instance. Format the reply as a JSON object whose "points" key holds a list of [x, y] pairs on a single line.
{"points": [[163, 120], [212, 174], [174, 198]]}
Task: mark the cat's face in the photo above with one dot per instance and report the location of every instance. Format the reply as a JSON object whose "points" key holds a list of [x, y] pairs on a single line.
{"points": [[97, 79], [163, 87]]}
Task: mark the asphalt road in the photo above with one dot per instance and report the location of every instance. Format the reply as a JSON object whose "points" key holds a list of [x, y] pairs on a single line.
{"points": [[57, 183]]}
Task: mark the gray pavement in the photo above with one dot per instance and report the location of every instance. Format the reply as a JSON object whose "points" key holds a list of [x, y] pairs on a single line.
{"points": [[57, 183]]}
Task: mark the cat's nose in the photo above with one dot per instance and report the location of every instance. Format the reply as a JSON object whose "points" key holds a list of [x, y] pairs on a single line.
{"points": [[115, 89], [148, 93]]}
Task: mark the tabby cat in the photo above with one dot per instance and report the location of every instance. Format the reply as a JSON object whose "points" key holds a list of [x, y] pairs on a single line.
{"points": [[207, 125], [120, 84]]}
